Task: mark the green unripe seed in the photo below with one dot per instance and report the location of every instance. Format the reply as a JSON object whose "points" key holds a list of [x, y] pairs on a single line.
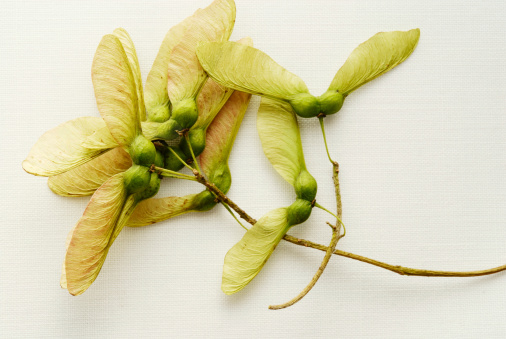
{"points": [[221, 177], [137, 179], [159, 113], [306, 186], [330, 102], [151, 189], [197, 140], [299, 211], [159, 159], [305, 105], [205, 201], [142, 151], [185, 112], [168, 130], [171, 161]]}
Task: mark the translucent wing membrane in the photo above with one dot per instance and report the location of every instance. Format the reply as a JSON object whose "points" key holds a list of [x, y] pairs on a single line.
{"points": [[246, 258], [129, 48], [214, 23], [374, 57], [87, 178], [247, 69], [156, 96], [222, 132], [279, 133], [92, 236], [212, 98], [115, 90], [64, 147]]}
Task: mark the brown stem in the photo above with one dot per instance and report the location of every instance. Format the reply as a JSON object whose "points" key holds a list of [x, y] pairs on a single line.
{"points": [[330, 249], [306, 243], [222, 197], [325, 261]]}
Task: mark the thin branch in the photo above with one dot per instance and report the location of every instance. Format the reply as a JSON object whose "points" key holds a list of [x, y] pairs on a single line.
{"points": [[222, 197], [333, 242], [306, 243], [325, 261]]}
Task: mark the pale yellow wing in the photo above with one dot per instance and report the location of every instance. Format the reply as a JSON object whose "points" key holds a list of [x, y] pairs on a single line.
{"points": [[64, 147], [129, 48], [374, 57], [91, 238], [246, 258], [248, 69], [115, 90], [279, 133], [156, 96], [212, 97], [213, 23], [87, 178]]}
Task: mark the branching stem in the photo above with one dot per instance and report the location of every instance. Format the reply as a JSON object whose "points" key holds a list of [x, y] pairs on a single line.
{"points": [[193, 154], [306, 243]]}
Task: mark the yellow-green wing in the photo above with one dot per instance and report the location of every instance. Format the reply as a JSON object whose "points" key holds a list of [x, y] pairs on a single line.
{"points": [[129, 48], [156, 96], [212, 97], [279, 133], [115, 90], [246, 258], [213, 23], [87, 178], [248, 69], [374, 57], [92, 236], [63, 148]]}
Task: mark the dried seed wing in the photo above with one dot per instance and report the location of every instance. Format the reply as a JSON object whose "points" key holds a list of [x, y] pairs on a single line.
{"points": [[246, 258], [248, 69], [87, 178], [374, 57], [221, 134], [279, 133], [213, 23], [115, 90], [91, 238], [62, 148], [129, 48]]}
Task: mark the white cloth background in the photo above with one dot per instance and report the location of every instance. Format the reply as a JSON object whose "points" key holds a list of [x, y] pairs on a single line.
{"points": [[422, 155]]}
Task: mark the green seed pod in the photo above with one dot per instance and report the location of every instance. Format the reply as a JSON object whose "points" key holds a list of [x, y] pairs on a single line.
{"points": [[305, 186], [221, 177], [168, 130], [185, 112], [159, 113], [151, 190], [159, 159], [299, 211], [137, 178], [171, 161], [197, 140], [305, 105], [204, 201], [142, 151], [331, 102]]}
